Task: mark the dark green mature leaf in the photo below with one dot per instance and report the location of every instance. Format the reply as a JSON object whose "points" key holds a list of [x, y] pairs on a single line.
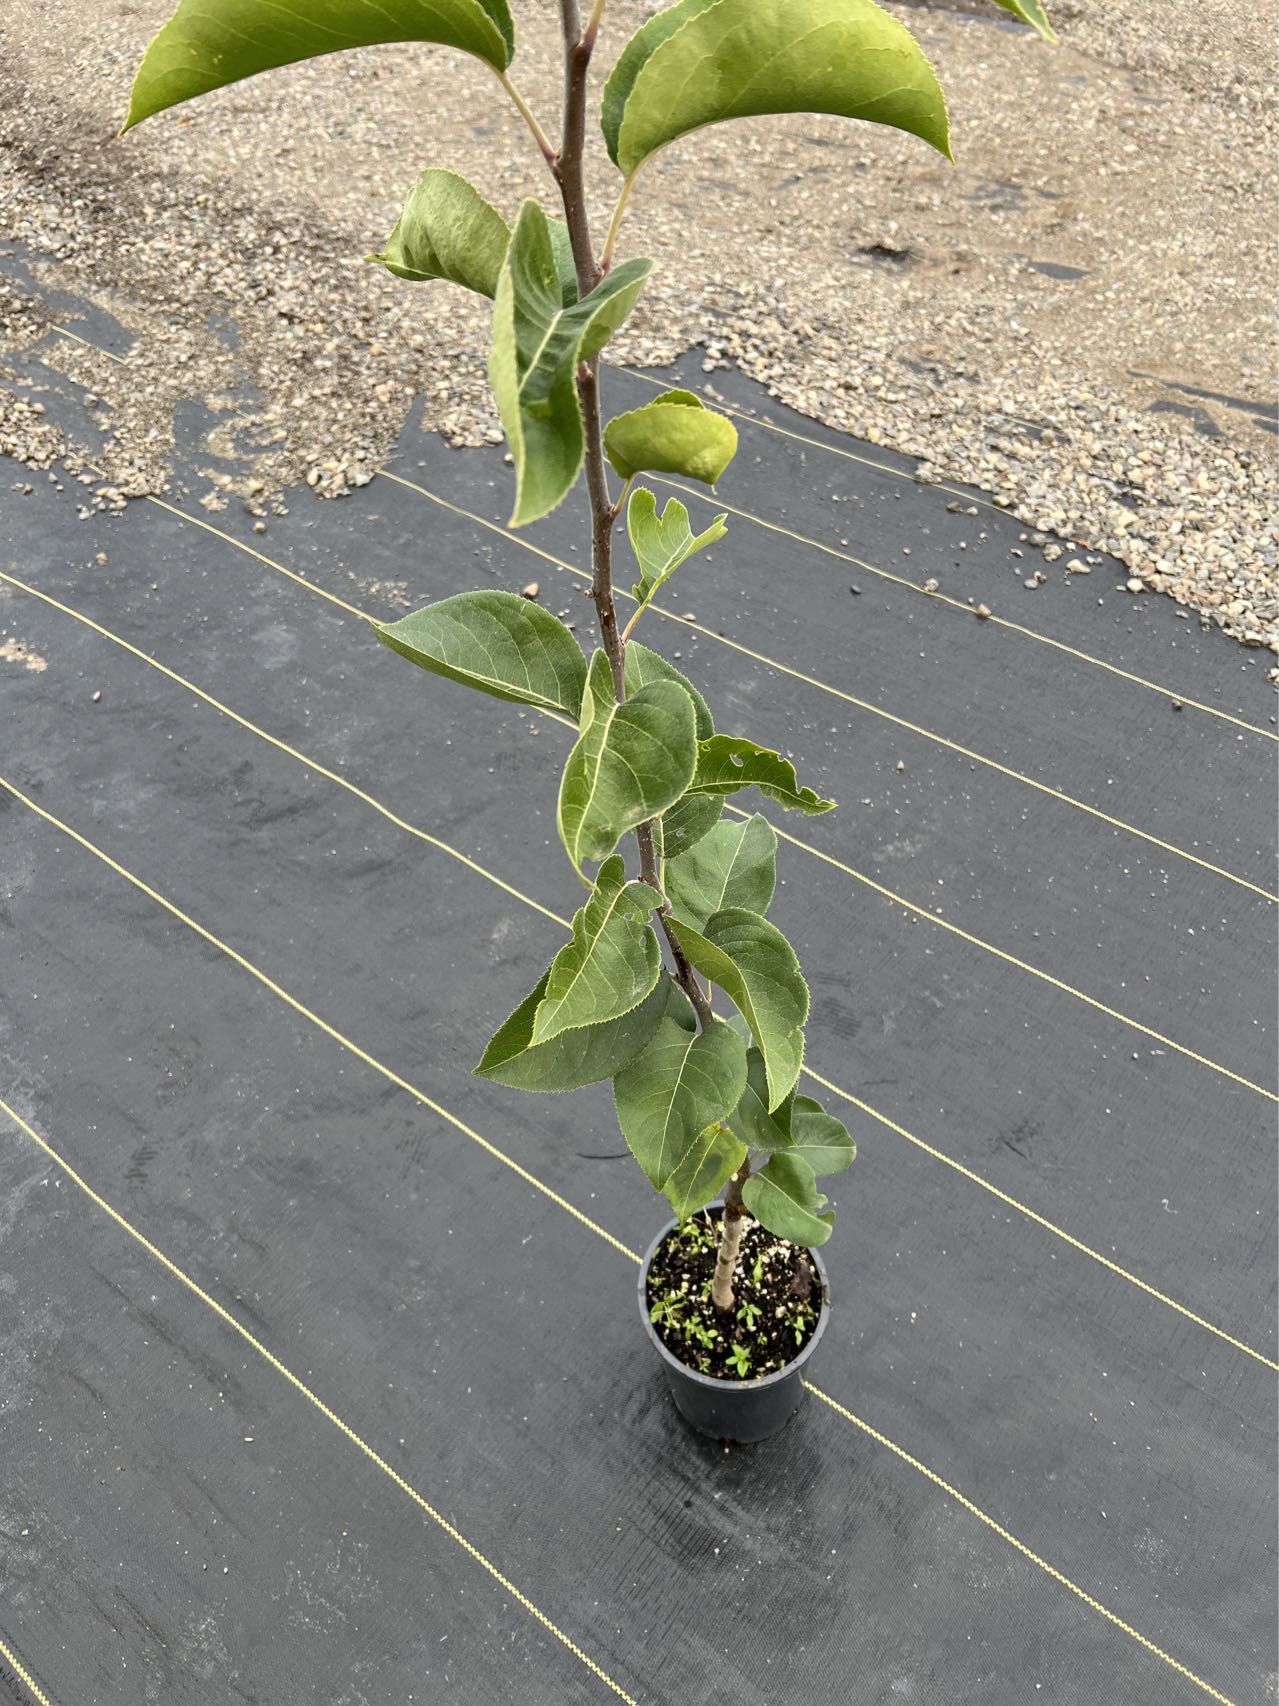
{"points": [[756, 967], [585, 1055], [734, 865], [674, 434], [538, 341], [209, 43], [783, 1196], [820, 1139], [662, 543], [726, 763], [612, 962], [643, 666], [447, 230], [705, 1168], [505, 645], [630, 762], [681, 1082], [684, 824], [1032, 13], [751, 1120], [701, 64]]}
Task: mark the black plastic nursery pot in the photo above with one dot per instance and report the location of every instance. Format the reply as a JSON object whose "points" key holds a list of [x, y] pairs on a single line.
{"points": [[743, 1411]]}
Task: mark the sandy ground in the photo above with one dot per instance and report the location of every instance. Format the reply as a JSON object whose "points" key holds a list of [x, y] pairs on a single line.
{"points": [[1029, 320]]}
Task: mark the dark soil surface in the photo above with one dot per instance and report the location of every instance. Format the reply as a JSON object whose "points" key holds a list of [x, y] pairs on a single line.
{"points": [[777, 1301]]}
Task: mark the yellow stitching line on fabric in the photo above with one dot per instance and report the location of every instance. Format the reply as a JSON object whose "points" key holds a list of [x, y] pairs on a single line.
{"points": [[593, 1225], [916, 586], [343, 1428], [1018, 1545], [315, 1019], [480, 870], [851, 699], [25, 1677], [845, 1095], [66, 332]]}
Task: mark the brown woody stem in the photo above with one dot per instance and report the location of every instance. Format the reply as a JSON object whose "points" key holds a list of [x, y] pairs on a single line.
{"points": [[731, 1227]]}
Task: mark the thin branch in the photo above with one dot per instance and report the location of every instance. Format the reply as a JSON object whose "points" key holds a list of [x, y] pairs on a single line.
{"points": [[615, 223], [527, 114]]}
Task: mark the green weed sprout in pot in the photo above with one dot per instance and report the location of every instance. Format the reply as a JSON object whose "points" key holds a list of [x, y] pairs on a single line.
{"points": [[674, 983]]}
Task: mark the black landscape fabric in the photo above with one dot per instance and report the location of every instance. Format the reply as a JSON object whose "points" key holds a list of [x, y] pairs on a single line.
{"points": [[268, 1080]]}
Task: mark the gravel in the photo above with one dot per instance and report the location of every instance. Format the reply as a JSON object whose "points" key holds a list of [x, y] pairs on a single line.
{"points": [[1028, 322]]}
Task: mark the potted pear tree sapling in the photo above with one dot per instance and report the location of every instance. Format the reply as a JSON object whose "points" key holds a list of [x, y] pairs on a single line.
{"points": [[674, 984]]}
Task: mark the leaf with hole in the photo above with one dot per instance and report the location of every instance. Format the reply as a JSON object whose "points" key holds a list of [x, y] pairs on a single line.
{"points": [[502, 644], [698, 64], [630, 762], [209, 43], [585, 1055], [538, 342], [756, 967], [734, 865], [662, 543], [783, 1196], [683, 825], [727, 763], [673, 434], [642, 666], [820, 1139], [611, 963]]}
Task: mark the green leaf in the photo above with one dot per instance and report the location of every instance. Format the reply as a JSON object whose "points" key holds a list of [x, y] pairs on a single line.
{"points": [[1032, 13], [611, 963], [538, 340], [447, 230], [631, 761], [726, 763], [756, 967], [684, 824], [820, 1139], [674, 434], [573, 1058], [643, 666], [505, 645], [783, 1197], [682, 1081], [209, 43], [701, 64], [751, 1120], [662, 543], [705, 1168], [734, 865]]}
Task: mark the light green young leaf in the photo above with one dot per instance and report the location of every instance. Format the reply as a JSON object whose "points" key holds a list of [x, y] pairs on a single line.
{"points": [[1031, 12], [538, 341], [631, 761], [505, 645], [756, 967], [751, 1120], [783, 1197], [585, 1055], [611, 963], [209, 43], [447, 230], [820, 1139], [726, 763], [642, 666], [734, 865], [662, 543], [680, 1082], [684, 824], [674, 434], [705, 1168], [702, 64]]}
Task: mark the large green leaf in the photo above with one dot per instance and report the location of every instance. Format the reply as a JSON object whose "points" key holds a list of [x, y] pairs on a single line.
{"points": [[684, 824], [751, 1120], [643, 666], [538, 341], [756, 967], [783, 1196], [674, 434], [734, 865], [1032, 13], [630, 762], [701, 64], [611, 963], [726, 763], [503, 644], [820, 1139], [209, 43], [662, 543], [682, 1081], [704, 1169], [447, 230], [584, 1055]]}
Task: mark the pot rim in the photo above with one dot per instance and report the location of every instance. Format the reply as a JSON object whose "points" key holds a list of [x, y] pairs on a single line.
{"points": [[713, 1382]]}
